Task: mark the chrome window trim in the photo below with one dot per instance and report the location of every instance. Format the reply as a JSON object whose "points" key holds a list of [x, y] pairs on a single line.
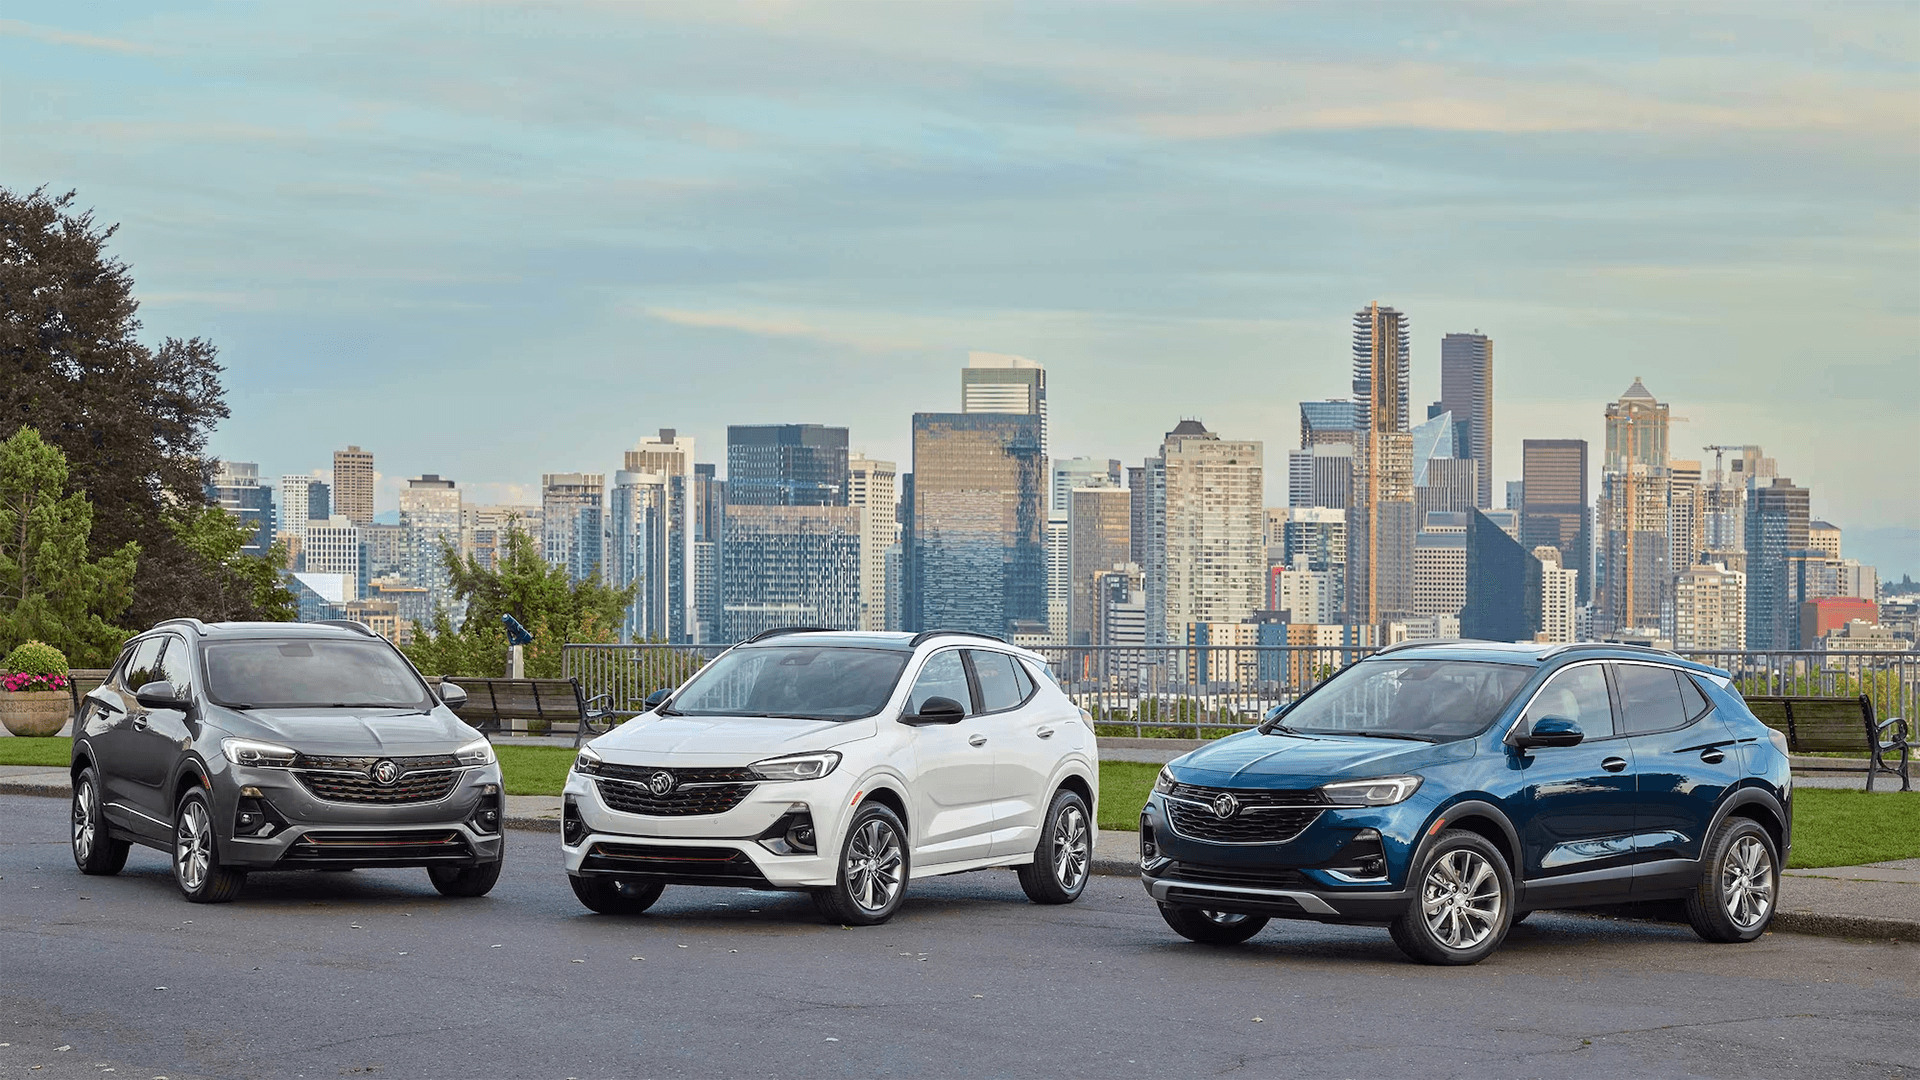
{"points": [[1515, 726]]}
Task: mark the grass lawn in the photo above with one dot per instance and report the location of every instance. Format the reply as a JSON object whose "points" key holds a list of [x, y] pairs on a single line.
{"points": [[55, 751], [1837, 827], [535, 770]]}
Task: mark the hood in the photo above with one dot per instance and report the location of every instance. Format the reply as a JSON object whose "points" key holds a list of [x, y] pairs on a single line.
{"points": [[649, 739], [353, 732], [1250, 759]]}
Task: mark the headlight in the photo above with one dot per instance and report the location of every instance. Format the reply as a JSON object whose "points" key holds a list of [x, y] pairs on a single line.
{"points": [[796, 766], [586, 761], [1165, 782], [478, 752], [258, 755], [1385, 791]]}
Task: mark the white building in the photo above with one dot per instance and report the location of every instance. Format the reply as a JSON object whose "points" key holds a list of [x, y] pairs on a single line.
{"points": [[1000, 383], [1710, 608], [1440, 564], [430, 512], [333, 547], [296, 494], [650, 537], [873, 486], [1306, 595], [1206, 555], [1559, 597]]}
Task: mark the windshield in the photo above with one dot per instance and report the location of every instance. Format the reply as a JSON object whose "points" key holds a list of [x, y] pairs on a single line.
{"points": [[1429, 700], [793, 681], [323, 673]]}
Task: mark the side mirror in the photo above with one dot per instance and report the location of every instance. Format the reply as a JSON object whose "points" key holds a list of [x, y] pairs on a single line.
{"points": [[161, 694], [452, 695], [936, 710], [1550, 731], [1274, 713], [659, 697]]}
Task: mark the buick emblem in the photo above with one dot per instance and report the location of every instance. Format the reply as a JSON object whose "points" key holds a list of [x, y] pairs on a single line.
{"points": [[1225, 806], [385, 773], [661, 783]]}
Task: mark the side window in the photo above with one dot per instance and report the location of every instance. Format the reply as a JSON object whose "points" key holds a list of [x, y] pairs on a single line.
{"points": [[1578, 694], [175, 666], [944, 676], [1692, 699], [999, 684], [1650, 698], [143, 666], [1023, 679]]}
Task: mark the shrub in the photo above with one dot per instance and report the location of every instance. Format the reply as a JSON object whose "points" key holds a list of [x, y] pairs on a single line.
{"points": [[35, 658]]}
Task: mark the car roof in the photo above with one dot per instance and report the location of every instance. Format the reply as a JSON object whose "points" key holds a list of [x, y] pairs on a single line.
{"points": [[876, 639], [1537, 654], [330, 628]]}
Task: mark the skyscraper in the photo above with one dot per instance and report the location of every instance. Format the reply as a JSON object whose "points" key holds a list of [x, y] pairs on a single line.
{"points": [[1206, 559], [1553, 503], [977, 559], [1063, 477], [1380, 515], [786, 465], [236, 487], [709, 530], [1559, 592], [353, 485], [1710, 608], [1332, 420], [430, 514], [999, 383], [1466, 391], [296, 500], [332, 546], [1776, 528], [1100, 536], [573, 522], [1440, 563], [1633, 578], [650, 534], [873, 489], [1503, 585]]}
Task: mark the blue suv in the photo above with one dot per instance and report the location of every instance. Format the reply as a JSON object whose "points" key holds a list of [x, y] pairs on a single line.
{"points": [[1445, 790]]}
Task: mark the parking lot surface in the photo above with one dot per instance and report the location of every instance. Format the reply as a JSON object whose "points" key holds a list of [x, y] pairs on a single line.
{"points": [[373, 973]]}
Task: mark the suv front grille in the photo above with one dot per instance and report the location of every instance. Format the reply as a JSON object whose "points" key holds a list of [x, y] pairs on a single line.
{"points": [[423, 778], [1273, 825], [1251, 796], [664, 861], [396, 847], [1245, 877], [695, 792]]}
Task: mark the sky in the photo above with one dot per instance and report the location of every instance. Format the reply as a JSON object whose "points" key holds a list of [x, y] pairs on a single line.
{"points": [[490, 241]]}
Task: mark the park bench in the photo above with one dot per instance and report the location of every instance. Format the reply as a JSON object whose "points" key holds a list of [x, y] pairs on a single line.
{"points": [[1826, 725], [536, 706]]}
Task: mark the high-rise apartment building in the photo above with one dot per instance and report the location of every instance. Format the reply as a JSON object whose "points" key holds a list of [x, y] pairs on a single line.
{"points": [[484, 529], [296, 503], [1206, 560], [1710, 608], [1440, 563], [237, 489], [873, 489], [650, 538], [1064, 476], [999, 383], [573, 522], [1137, 497], [977, 558], [1380, 513], [1559, 598], [1633, 579], [786, 465], [1466, 391], [353, 485], [709, 531], [1686, 515], [1824, 537], [430, 514], [790, 566], [1776, 527], [1100, 539], [1553, 503], [332, 546]]}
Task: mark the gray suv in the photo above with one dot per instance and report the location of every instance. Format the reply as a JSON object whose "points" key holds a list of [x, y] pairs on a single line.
{"points": [[281, 746]]}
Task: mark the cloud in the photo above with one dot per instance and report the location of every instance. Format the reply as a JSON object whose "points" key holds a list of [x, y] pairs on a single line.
{"points": [[54, 36], [776, 327]]}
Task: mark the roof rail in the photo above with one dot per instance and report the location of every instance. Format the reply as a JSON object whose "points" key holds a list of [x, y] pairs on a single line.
{"points": [[347, 624], [779, 630], [195, 625], [1418, 643], [928, 635], [1575, 646]]}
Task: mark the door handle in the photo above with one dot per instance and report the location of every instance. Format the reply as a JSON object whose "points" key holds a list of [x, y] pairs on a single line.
{"points": [[1614, 764], [976, 740], [1045, 733], [1712, 755]]}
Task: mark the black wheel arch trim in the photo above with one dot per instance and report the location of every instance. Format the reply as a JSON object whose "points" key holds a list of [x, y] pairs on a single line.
{"points": [[1469, 807], [1750, 795], [193, 767]]}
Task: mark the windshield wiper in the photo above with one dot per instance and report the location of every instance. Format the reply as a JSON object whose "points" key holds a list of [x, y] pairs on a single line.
{"points": [[1390, 735]]}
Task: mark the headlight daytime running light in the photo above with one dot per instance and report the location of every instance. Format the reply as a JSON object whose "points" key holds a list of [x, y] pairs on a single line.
{"points": [[1383, 791], [586, 762], [478, 752], [258, 755], [796, 766], [1164, 782]]}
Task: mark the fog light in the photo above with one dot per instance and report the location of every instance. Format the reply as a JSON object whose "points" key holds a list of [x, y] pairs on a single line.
{"points": [[572, 829], [792, 834]]}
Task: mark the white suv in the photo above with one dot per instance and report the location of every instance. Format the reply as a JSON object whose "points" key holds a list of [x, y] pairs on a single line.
{"points": [[842, 764]]}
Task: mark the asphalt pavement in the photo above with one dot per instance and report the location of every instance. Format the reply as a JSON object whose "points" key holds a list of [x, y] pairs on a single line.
{"points": [[373, 973]]}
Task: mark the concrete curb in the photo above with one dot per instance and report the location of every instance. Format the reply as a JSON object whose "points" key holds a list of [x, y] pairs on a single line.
{"points": [[1845, 926]]}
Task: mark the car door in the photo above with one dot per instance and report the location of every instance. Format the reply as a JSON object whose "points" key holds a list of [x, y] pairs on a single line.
{"points": [[1686, 759], [111, 715], [953, 769], [1577, 802], [157, 738], [1022, 730]]}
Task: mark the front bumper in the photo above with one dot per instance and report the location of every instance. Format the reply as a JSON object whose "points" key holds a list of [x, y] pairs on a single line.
{"points": [[737, 847], [1310, 876], [292, 828]]}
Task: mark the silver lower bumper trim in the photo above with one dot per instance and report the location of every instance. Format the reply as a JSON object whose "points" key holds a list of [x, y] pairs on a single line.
{"points": [[1308, 902]]}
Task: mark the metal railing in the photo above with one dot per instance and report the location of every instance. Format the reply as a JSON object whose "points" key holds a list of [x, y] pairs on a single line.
{"points": [[1207, 691]]}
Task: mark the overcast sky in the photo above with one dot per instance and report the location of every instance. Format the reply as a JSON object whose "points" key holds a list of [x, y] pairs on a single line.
{"points": [[494, 241]]}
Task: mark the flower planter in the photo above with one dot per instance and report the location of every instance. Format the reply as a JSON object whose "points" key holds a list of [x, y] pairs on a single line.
{"points": [[35, 712]]}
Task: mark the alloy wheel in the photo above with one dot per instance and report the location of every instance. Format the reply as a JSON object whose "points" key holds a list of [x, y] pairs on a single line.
{"points": [[1461, 900], [84, 829], [873, 865], [193, 846], [1746, 883], [1072, 847]]}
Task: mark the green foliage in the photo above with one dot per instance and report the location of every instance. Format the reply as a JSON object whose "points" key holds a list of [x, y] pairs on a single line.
{"points": [[250, 587], [34, 658], [50, 589], [1883, 687], [554, 609]]}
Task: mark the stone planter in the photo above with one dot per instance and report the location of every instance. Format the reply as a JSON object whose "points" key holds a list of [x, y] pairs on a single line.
{"points": [[35, 712]]}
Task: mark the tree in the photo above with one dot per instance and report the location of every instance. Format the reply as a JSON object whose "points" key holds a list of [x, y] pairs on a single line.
{"points": [[242, 586], [51, 590], [133, 421], [541, 597]]}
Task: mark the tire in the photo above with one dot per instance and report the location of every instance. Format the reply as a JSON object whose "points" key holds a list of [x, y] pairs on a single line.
{"points": [[95, 851], [1462, 905], [612, 896], [1063, 858], [196, 854], [873, 870], [1739, 884], [465, 880], [1211, 927]]}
